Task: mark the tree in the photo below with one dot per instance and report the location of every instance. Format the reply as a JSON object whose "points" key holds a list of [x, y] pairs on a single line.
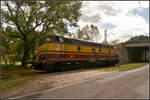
{"points": [[4, 49], [89, 33], [115, 43], [140, 38], [32, 20], [10, 47]]}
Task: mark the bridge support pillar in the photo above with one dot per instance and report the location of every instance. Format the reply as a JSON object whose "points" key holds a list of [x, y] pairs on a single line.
{"points": [[123, 55]]}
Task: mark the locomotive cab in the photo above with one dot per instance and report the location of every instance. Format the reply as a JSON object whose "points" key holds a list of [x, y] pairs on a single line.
{"points": [[48, 43], [42, 46]]}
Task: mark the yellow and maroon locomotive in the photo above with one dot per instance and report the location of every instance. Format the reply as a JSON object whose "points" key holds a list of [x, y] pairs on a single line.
{"points": [[56, 49]]}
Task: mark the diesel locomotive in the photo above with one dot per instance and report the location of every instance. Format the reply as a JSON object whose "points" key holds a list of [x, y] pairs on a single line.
{"points": [[57, 49]]}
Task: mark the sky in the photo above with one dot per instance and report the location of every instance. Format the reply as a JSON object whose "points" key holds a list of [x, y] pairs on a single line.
{"points": [[122, 19]]}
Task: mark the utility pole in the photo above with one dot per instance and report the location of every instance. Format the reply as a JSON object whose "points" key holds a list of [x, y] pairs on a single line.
{"points": [[105, 36], [139, 4]]}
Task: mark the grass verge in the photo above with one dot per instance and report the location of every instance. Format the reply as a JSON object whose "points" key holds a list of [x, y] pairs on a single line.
{"points": [[13, 76], [123, 67]]}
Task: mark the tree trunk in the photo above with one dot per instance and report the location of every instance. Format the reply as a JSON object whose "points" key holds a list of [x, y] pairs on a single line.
{"points": [[25, 54]]}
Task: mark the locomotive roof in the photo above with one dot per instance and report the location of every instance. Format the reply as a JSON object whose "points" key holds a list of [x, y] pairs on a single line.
{"points": [[82, 42]]}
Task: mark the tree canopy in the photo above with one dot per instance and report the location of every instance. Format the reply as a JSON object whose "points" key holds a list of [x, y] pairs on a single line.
{"points": [[28, 21], [140, 38], [88, 32]]}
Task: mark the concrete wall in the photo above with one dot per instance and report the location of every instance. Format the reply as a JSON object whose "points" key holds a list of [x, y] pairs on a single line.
{"points": [[123, 55]]}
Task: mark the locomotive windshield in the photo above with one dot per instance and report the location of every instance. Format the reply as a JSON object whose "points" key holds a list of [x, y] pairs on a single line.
{"points": [[49, 39], [58, 39], [45, 40]]}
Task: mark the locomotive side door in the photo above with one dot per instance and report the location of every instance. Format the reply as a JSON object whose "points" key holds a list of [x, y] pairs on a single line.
{"points": [[60, 48]]}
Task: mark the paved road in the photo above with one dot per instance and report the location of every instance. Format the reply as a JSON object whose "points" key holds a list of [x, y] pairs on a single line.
{"points": [[128, 84]]}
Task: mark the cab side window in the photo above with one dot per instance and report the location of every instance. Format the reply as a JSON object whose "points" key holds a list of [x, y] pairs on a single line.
{"points": [[59, 39]]}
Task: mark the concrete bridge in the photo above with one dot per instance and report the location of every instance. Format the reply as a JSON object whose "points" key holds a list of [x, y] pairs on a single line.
{"points": [[134, 52]]}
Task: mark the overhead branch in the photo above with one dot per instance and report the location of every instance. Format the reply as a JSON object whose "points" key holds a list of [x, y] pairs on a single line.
{"points": [[16, 36]]}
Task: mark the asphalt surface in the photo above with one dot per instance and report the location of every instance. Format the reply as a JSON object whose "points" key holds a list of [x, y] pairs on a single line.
{"points": [[126, 85]]}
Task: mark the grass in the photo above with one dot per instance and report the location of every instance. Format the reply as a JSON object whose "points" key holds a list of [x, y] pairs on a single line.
{"points": [[123, 67], [13, 76]]}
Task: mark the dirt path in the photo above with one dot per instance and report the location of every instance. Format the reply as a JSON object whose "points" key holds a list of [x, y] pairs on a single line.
{"points": [[47, 81], [133, 84]]}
